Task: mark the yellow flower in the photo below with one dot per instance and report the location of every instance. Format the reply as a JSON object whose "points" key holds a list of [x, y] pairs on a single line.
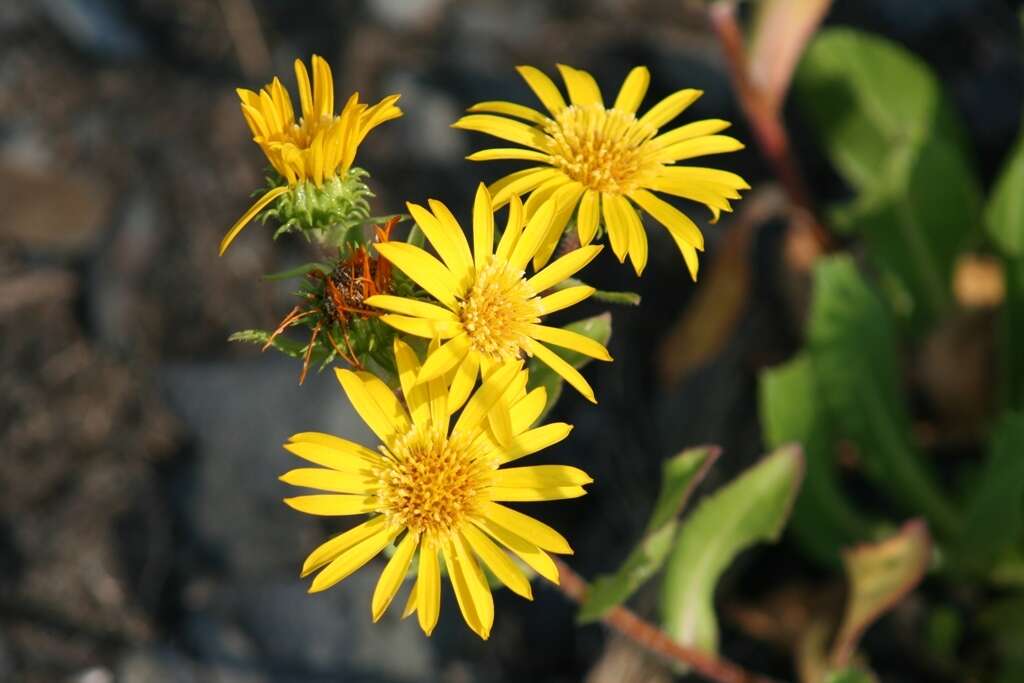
{"points": [[437, 489], [490, 311], [606, 160], [317, 147]]}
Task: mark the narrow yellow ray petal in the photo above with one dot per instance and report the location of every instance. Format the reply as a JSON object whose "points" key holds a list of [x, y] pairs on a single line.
{"points": [[260, 204], [616, 226], [582, 87], [323, 87], [463, 258], [532, 237], [564, 268], [351, 560], [690, 256], [444, 239], [500, 564], [422, 327], [525, 526], [565, 201], [486, 396], [633, 89], [540, 477], [428, 587], [689, 131], [510, 109], [532, 495], [326, 552], [637, 237], [483, 227], [710, 175], [416, 396], [502, 192], [574, 341], [669, 108], [564, 298], [513, 229], [350, 457], [514, 153], [393, 575], [562, 368], [445, 358], [682, 229], [528, 409], [698, 147], [533, 440], [527, 551], [305, 94], [589, 216], [424, 270], [410, 602], [363, 483], [384, 421], [412, 307], [471, 590], [544, 88], [463, 381], [504, 129], [331, 505]]}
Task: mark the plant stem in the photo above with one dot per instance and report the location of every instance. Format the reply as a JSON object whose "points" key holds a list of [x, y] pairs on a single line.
{"points": [[654, 640], [765, 122]]}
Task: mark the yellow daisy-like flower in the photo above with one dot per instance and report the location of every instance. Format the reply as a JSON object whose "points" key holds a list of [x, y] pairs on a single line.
{"points": [[607, 161], [490, 310], [436, 489], [316, 148]]}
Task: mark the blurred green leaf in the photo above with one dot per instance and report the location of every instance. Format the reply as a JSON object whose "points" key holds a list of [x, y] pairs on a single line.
{"points": [[598, 328], [994, 516], [890, 131], [879, 576], [824, 521], [753, 507], [1004, 212], [853, 349], [680, 476], [849, 675]]}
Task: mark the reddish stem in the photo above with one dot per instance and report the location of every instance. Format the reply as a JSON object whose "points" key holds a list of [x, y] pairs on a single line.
{"points": [[654, 640], [765, 122]]}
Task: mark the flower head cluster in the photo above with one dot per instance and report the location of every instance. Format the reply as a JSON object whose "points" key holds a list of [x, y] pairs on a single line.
{"points": [[603, 163]]}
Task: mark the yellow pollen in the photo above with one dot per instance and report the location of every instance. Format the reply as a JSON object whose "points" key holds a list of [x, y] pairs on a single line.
{"points": [[600, 148], [496, 311], [431, 482]]}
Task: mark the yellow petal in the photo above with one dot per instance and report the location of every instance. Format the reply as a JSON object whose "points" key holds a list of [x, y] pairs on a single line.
{"points": [[445, 358], [582, 87], [463, 381], [422, 327], [528, 409], [260, 204], [574, 341], [424, 270], [527, 551], [532, 440], [689, 131], [542, 86], [669, 108], [483, 227], [615, 223], [513, 229], [393, 575], [510, 109], [589, 216], [565, 201], [525, 526], [305, 94], [637, 237], [471, 590], [326, 552], [698, 147], [682, 229], [331, 505], [633, 90], [333, 452], [533, 235], [562, 368], [690, 256], [514, 153], [462, 258], [352, 559], [323, 87], [416, 395], [532, 495], [410, 603], [386, 421], [362, 483], [520, 184], [564, 298], [413, 307], [564, 268], [504, 129], [445, 240], [500, 564], [540, 477], [709, 175], [486, 396], [428, 587]]}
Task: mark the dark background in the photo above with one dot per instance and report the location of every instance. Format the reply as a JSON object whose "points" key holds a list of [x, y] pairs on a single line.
{"points": [[142, 536]]}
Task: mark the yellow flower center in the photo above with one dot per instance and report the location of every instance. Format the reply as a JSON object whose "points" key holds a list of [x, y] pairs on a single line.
{"points": [[496, 311], [431, 482], [600, 148]]}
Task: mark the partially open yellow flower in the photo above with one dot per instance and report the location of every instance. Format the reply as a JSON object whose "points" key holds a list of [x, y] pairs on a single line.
{"points": [[607, 161], [436, 489], [318, 147], [490, 310]]}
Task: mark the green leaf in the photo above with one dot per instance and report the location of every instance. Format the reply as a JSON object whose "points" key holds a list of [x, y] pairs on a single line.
{"points": [[792, 412], [598, 328], [879, 576], [286, 346], [751, 508], [890, 131], [680, 476], [853, 350], [994, 516], [1004, 212]]}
